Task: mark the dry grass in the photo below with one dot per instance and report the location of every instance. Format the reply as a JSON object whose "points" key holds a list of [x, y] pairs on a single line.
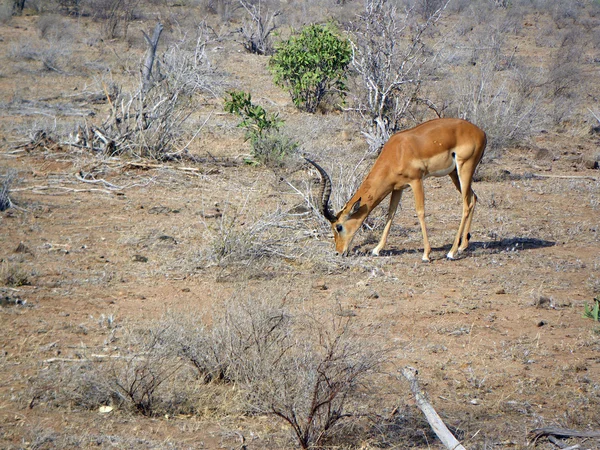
{"points": [[189, 277]]}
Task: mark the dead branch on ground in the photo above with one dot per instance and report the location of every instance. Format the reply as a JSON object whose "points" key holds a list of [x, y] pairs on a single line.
{"points": [[437, 425], [534, 435]]}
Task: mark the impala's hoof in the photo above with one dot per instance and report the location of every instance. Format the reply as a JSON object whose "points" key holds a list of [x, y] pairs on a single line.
{"points": [[450, 256], [375, 252]]}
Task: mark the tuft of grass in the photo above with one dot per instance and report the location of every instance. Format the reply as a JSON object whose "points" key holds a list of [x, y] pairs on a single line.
{"points": [[13, 275], [7, 179], [593, 312]]}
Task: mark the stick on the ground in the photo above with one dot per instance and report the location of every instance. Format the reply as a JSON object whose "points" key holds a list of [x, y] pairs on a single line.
{"points": [[566, 177], [562, 432], [437, 425]]}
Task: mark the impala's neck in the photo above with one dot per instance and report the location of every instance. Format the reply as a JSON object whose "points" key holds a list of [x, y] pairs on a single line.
{"points": [[370, 193]]}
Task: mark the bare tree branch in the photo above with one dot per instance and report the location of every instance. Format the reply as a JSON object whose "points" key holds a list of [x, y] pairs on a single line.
{"points": [[438, 426]]}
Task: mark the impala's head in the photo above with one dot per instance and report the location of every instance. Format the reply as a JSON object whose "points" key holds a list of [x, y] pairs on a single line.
{"points": [[346, 222]]}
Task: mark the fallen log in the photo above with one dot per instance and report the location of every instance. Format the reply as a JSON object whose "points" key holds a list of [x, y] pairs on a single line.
{"points": [[437, 425]]}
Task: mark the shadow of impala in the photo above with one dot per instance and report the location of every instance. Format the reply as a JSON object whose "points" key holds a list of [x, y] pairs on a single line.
{"points": [[514, 244]]}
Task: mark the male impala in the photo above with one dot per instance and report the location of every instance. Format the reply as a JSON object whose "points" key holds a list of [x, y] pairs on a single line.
{"points": [[436, 148]]}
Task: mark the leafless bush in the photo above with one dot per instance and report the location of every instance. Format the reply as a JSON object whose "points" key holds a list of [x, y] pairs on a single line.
{"points": [[304, 369], [150, 122], [7, 179], [426, 8], [133, 376], [565, 13], [258, 26], [223, 8], [115, 14], [391, 59], [564, 71], [54, 28], [6, 11], [275, 234], [496, 93], [53, 55]]}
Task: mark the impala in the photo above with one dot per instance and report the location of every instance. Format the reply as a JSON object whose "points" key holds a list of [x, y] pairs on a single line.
{"points": [[436, 148]]}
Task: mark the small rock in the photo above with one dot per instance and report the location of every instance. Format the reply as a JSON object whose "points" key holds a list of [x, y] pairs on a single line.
{"points": [[543, 302], [591, 163], [139, 258], [501, 291], [211, 213], [320, 285], [541, 323], [22, 248], [167, 238], [105, 409]]}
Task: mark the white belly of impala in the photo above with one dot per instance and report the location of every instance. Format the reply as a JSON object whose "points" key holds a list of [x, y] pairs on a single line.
{"points": [[442, 172]]}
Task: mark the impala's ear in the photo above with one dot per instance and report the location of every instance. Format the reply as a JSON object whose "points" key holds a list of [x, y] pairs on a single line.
{"points": [[354, 208]]}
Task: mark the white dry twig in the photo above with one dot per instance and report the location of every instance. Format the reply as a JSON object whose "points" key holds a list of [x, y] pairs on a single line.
{"points": [[437, 425]]}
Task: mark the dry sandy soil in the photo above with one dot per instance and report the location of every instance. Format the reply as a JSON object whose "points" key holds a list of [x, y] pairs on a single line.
{"points": [[498, 336]]}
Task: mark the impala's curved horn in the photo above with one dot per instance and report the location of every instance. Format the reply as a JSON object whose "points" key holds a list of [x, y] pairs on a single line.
{"points": [[325, 192]]}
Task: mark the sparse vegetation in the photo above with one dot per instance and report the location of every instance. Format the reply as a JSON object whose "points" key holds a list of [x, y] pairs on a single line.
{"points": [[13, 274], [134, 197], [303, 369]]}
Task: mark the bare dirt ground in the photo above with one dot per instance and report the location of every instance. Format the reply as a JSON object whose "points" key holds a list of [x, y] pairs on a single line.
{"points": [[498, 336]]}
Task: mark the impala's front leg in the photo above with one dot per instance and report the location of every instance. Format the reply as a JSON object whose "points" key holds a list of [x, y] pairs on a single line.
{"points": [[419, 193], [394, 201]]}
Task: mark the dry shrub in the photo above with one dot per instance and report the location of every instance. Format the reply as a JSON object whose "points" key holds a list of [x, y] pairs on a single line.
{"points": [[233, 243], [116, 15], [259, 355], [142, 374], [13, 274], [7, 179], [6, 11], [392, 59], [495, 94], [154, 120], [258, 26], [53, 56], [225, 9], [304, 368], [53, 27]]}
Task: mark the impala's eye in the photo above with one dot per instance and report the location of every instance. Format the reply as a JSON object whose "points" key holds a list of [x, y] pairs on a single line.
{"points": [[339, 228]]}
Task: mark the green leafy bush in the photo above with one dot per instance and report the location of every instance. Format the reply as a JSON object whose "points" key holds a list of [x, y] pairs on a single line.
{"points": [[269, 146], [255, 119], [312, 64]]}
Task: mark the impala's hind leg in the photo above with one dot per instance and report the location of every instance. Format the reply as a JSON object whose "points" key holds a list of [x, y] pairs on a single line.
{"points": [[462, 178]]}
